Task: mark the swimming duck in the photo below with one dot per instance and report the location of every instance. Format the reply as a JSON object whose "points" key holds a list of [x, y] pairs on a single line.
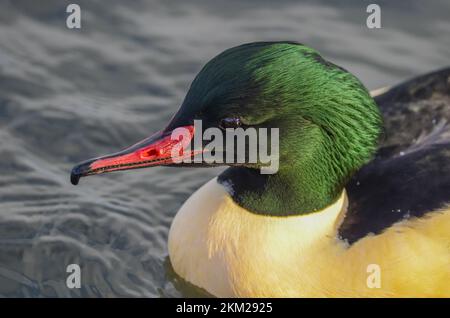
{"points": [[353, 197]]}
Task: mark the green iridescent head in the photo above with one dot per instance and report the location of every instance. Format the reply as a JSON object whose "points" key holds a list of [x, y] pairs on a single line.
{"points": [[329, 124]]}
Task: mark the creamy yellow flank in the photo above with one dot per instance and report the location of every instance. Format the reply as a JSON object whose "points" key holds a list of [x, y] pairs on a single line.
{"points": [[230, 252]]}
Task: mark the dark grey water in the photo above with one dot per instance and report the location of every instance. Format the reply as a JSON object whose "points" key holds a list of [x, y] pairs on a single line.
{"points": [[67, 95]]}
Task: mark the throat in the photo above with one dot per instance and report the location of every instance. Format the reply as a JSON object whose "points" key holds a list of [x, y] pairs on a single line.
{"points": [[286, 193]]}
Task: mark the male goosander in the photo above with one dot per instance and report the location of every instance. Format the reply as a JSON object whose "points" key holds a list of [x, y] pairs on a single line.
{"points": [[343, 202]]}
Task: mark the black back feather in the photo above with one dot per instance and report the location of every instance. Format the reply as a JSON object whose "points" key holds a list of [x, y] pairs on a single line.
{"points": [[410, 174]]}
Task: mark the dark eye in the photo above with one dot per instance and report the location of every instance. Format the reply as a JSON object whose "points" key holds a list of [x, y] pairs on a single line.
{"points": [[230, 122]]}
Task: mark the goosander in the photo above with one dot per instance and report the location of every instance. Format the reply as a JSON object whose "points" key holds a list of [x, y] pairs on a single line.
{"points": [[363, 181]]}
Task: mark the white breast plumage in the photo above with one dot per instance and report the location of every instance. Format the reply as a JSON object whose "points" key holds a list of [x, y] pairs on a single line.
{"points": [[219, 246]]}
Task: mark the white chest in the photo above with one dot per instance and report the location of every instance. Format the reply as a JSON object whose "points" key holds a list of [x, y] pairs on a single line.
{"points": [[221, 247]]}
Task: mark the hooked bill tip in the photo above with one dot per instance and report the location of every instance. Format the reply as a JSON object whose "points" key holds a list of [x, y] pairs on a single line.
{"points": [[80, 170], [74, 178]]}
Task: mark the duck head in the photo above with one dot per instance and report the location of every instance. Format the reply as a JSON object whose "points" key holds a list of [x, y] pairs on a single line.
{"points": [[328, 126]]}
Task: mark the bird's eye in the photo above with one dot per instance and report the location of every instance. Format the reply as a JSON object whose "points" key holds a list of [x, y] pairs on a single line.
{"points": [[230, 122]]}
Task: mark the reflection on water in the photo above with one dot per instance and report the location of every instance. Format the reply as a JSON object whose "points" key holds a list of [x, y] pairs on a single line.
{"points": [[67, 95]]}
